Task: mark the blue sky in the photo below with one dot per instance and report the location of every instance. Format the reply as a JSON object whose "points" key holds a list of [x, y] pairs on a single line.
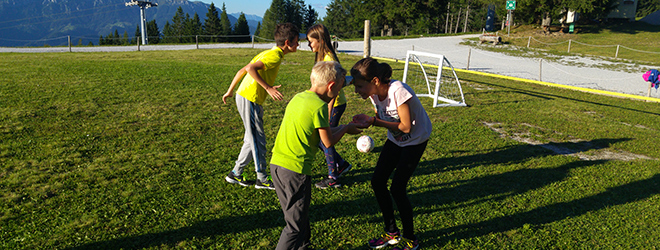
{"points": [[258, 7]]}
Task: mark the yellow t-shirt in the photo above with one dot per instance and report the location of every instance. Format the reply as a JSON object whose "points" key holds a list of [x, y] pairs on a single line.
{"points": [[249, 88], [341, 98]]}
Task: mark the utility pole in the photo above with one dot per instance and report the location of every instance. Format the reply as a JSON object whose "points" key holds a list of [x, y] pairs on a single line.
{"points": [[143, 21]]}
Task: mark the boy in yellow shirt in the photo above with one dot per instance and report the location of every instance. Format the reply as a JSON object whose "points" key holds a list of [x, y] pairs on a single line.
{"points": [[258, 78]]}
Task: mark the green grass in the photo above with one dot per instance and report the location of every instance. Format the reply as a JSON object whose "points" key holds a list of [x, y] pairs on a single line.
{"points": [[129, 151], [601, 39]]}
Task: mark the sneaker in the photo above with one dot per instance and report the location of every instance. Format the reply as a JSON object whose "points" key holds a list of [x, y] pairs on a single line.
{"points": [[268, 184], [328, 182], [385, 240], [407, 244], [240, 179], [343, 169]]}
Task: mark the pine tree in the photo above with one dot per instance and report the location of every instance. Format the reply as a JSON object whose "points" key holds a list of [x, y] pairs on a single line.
{"points": [[212, 24], [256, 30], [273, 16], [194, 27], [153, 33], [309, 18], [225, 25], [241, 28]]}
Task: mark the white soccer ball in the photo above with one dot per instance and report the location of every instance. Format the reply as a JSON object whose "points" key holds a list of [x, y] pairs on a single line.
{"points": [[365, 144]]}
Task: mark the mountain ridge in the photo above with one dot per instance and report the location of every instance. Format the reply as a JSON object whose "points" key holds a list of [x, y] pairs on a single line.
{"points": [[49, 22]]}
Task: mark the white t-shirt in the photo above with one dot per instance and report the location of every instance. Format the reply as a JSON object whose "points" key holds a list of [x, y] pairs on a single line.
{"points": [[387, 109]]}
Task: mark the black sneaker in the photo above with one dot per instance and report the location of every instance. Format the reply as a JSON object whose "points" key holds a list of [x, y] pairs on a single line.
{"points": [[240, 180], [344, 168], [268, 184], [328, 182]]}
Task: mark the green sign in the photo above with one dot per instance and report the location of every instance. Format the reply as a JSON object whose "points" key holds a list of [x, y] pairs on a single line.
{"points": [[510, 5]]}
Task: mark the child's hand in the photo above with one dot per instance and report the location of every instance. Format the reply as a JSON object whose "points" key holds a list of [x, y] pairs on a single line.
{"points": [[362, 121], [226, 95], [276, 95], [353, 129]]}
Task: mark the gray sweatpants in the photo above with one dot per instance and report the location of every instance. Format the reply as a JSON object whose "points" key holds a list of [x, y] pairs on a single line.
{"points": [[254, 140], [294, 191]]}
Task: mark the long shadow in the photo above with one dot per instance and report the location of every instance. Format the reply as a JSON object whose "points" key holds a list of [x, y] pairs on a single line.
{"points": [[547, 95], [510, 155], [236, 224], [620, 195]]}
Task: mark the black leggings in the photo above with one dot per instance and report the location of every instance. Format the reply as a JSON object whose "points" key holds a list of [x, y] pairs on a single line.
{"points": [[403, 161]]}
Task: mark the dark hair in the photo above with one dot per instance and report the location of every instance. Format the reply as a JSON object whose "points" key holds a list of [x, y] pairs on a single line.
{"points": [[320, 33], [368, 68], [285, 32]]}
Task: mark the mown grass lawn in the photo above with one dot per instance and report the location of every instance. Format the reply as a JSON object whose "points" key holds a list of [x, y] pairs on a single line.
{"points": [[130, 150]]}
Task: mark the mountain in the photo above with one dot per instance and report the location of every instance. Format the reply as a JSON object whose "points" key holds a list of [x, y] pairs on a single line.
{"points": [[49, 22]]}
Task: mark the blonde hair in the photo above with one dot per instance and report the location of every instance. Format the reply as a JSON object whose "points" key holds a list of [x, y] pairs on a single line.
{"points": [[326, 71]]}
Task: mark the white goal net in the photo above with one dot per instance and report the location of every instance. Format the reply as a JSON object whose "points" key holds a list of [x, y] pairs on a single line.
{"points": [[434, 72]]}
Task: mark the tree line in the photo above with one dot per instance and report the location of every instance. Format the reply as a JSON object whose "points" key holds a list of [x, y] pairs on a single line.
{"points": [[216, 27], [345, 18]]}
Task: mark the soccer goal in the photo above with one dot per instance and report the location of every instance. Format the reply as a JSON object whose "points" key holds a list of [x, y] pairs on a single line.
{"points": [[433, 71]]}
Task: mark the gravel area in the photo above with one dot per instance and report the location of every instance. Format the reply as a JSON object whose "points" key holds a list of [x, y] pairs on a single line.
{"points": [[577, 71]]}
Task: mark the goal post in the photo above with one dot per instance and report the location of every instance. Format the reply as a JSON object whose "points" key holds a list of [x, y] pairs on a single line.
{"points": [[437, 74]]}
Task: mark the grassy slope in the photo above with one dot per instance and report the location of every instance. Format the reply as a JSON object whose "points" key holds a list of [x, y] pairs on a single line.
{"points": [[129, 150]]}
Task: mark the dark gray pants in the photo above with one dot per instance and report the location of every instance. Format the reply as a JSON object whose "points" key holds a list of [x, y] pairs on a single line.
{"points": [[294, 191]]}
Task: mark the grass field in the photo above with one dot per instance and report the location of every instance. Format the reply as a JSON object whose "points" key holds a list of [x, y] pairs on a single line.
{"points": [[638, 43], [130, 150]]}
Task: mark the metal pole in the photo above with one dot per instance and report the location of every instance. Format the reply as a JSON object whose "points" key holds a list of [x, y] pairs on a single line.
{"points": [[617, 51], [367, 38], [144, 26], [469, 55], [540, 70], [69, 43]]}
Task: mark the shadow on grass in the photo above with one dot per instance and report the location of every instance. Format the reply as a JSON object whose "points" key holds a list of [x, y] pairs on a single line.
{"points": [[628, 193], [548, 96]]}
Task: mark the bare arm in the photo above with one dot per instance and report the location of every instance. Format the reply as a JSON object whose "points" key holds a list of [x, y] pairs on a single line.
{"points": [[405, 123], [330, 136], [253, 69], [230, 92]]}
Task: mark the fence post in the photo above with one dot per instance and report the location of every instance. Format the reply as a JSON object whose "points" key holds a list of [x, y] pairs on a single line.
{"points": [[529, 41], [197, 41], [648, 94], [69, 43], [253, 41], [138, 42], [367, 38], [540, 69], [468, 62], [617, 52], [569, 45]]}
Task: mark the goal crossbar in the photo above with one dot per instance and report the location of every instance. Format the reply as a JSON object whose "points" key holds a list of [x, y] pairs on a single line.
{"points": [[446, 88]]}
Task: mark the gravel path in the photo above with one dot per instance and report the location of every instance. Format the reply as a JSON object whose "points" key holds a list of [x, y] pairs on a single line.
{"points": [[572, 70]]}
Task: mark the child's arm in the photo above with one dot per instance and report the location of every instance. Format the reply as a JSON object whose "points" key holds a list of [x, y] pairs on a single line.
{"points": [[405, 124], [239, 75], [330, 136], [253, 69]]}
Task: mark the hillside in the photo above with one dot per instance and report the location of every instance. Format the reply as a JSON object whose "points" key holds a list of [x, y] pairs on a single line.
{"points": [[35, 22]]}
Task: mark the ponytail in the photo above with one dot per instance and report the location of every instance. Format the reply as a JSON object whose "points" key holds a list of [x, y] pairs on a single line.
{"points": [[368, 68]]}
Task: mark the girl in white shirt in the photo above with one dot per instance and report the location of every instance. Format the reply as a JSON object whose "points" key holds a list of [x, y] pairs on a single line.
{"points": [[408, 129]]}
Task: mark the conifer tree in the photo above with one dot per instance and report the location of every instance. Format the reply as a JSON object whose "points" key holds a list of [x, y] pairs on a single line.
{"points": [[153, 33], [225, 25], [242, 29], [212, 24]]}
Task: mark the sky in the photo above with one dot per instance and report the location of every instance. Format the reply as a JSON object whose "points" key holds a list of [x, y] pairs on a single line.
{"points": [[259, 7]]}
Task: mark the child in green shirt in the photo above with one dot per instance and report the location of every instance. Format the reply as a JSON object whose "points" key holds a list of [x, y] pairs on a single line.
{"points": [[304, 125]]}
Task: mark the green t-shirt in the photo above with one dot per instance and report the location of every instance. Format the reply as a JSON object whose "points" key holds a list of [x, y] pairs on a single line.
{"points": [[297, 140]]}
